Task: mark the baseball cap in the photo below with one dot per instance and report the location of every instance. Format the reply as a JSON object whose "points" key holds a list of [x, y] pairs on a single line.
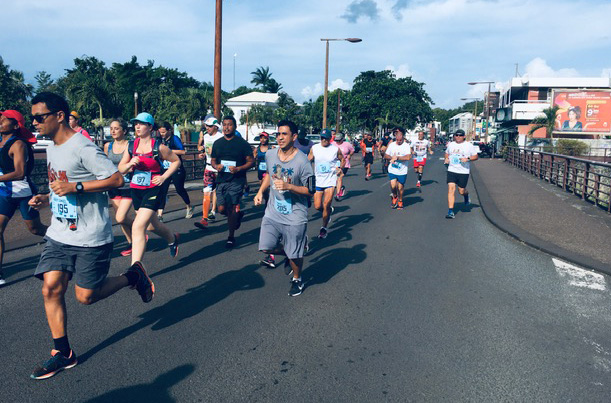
{"points": [[325, 134], [24, 133], [212, 121], [459, 132], [340, 136], [75, 115], [144, 117], [266, 134]]}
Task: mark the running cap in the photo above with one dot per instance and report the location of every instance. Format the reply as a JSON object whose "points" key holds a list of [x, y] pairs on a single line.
{"points": [[24, 133], [212, 121], [325, 134], [340, 136], [144, 117], [75, 115], [459, 132]]}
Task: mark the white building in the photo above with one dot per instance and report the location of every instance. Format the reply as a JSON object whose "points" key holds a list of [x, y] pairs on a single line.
{"points": [[240, 106], [461, 121]]}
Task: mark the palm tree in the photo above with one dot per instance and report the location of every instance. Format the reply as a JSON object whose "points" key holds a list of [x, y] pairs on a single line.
{"points": [[272, 86], [261, 76], [547, 121]]}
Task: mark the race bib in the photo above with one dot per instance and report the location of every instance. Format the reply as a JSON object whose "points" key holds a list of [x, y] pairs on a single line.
{"points": [[396, 165], [323, 168], [64, 206], [262, 166], [227, 164], [142, 178], [454, 159], [368, 149], [166, 164], [283, 206], [420, 158]]}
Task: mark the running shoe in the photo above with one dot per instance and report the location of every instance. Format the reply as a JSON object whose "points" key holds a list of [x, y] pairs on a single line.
{"points": [[394, 202], [323, 233], [240, 216], [366, 177], [296, 288], [450, 214], [246, 190], [144, 285], [343, 191], [160, 218], [331, 215], [418, 184], [400, 205], [2, 280], [230, 243], [269, 261], [202, 224], [212, 216], [174, 246], [54, 365], [126, 252], [189, 213], [287, 267]]}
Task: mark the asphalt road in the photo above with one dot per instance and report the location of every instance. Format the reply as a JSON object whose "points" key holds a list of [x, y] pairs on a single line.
{"points": [[399, 306]]}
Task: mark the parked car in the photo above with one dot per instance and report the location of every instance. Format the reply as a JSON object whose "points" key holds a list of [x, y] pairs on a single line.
{"points": [[42, 142], [257, 139], [314, 137]]}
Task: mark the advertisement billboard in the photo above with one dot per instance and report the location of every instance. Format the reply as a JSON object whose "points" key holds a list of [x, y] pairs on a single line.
{"points": [[583, 112]]}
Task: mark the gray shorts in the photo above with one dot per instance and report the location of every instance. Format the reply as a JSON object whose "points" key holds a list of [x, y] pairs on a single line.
{"points": [[229, 193], [89, 264], [292, 237]]}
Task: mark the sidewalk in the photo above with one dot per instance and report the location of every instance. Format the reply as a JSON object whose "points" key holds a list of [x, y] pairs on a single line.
{"points": [[543, 215]]}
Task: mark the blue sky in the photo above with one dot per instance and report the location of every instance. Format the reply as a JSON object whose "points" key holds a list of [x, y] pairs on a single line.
{"points": [[443, 43]]}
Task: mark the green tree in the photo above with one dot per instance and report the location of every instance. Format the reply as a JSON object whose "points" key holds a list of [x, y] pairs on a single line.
{"points": [[14, 91], [262, 79], [44, 82], [547, 121]]}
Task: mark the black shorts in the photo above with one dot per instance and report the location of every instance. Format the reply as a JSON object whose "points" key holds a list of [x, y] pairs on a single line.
{"points": [[119, 194], [345, 170], [229, 193], [368, 159], [89, 265], [460, 180], [150, 198]]}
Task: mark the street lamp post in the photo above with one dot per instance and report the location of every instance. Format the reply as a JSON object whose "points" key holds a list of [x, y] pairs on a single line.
{"points": [[474, 114], [218, 42], [487, 107], [326, 89], [234, 56], [135, 103]]}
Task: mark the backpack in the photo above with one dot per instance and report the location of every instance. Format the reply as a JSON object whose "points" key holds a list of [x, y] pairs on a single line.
{"points": [[156, 143]]}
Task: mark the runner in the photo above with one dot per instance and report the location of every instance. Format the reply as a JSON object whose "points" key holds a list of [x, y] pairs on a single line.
{"points": [[120, 198], [368, 146], [232, 158], [383, 145], [79, 174], [398, 153], [75, 124], [459, 155], [260, 152], [420, 149], [206, 141], [328, 162], [347, 151], [16, 187], [303, 144], [149, 185], [284, 225], [170, 140]]}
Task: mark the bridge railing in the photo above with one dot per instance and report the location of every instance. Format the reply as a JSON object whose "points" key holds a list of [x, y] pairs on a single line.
{"points": [[584, 178]]}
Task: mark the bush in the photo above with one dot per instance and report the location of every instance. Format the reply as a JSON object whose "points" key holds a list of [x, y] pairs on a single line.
{"points": [[571, 147]]}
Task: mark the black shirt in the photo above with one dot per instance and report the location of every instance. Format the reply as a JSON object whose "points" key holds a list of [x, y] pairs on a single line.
{"points": [[231, 152], [369, 144]]}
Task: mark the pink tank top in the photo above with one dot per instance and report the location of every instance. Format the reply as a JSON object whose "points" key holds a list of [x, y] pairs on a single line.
{"points": [[147, 169]]}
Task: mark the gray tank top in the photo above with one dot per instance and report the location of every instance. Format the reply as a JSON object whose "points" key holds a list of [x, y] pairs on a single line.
{"points": [[116, 158]]}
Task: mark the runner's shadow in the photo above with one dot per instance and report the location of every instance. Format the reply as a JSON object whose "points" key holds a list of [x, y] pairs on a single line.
{"points": [[27, 264], [428, 182], [410, 201], [195, 301], [339, 231], [157, 391], [354, 193], [325, 266]]}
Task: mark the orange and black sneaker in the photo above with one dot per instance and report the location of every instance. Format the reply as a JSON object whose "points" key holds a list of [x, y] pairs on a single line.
{"points": [[394, 202], [55, 364], [400, 205], [144, 285]]}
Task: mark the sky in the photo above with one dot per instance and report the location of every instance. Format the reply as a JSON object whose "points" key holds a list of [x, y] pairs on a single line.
{"points": [[442, 43]]}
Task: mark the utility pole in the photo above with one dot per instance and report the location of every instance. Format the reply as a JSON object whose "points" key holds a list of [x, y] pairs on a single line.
{"points": [[218, 42], [338, 117]]}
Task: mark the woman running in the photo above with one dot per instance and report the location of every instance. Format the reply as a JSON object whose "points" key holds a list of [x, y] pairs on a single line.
{"points": [[121, 198], [260, 151], [149, 184]]}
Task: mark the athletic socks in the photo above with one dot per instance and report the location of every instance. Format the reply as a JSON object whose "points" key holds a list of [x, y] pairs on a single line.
{"points": [[63, 346]]}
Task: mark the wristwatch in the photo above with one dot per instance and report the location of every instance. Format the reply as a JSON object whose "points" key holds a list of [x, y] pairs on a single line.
{"points": [[79, 187]]}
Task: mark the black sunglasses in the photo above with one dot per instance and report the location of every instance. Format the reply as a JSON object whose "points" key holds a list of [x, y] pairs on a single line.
{"points": [[41, 118], [459, 135]]}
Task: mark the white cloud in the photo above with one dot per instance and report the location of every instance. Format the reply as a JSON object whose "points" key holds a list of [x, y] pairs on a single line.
{"points": [[312, 92], [538, 67], [400, 72], [339, 83]]}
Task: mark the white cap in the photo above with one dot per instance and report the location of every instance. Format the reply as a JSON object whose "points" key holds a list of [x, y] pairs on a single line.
{"points": [[212, 121]]}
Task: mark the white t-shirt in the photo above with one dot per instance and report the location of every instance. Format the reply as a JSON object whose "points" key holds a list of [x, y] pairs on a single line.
{"points": [[325, 164], [457, 151], [394, 149], [208, 142], [421, 148]]}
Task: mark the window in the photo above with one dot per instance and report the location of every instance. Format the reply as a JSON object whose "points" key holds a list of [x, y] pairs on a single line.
{"points": [[242, 113]]}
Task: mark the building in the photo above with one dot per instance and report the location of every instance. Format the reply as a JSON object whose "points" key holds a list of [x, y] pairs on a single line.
{"points": [[461, 121], [525, 98], [240, 106]]}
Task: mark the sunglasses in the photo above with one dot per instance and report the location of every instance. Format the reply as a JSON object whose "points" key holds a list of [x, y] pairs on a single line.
{"points": [[459, 135], [41, 118]]}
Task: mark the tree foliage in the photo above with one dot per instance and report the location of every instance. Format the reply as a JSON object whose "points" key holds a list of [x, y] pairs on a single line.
{"points": [[547, 121]]}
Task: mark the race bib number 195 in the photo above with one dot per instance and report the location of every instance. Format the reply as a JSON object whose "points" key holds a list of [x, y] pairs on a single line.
{"points": [[64, 206]]}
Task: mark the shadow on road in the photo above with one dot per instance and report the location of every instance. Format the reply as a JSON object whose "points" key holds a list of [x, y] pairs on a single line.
{"points": [[157, 391], [195, 301], [354, 193], [27, 264], [326, 265]]}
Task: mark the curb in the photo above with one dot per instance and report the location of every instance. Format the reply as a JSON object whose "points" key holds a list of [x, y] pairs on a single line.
{"points": [[497, 219]]}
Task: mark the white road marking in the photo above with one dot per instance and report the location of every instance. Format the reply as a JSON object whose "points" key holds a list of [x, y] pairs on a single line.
{"points": [[579, 277]]}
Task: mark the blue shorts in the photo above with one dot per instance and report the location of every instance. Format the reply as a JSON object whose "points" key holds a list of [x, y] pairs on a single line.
{"points": [[400, 178], [319, 189], [8, 206]]}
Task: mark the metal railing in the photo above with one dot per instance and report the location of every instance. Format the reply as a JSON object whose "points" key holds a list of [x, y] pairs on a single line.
{"points": [[589, 180]]}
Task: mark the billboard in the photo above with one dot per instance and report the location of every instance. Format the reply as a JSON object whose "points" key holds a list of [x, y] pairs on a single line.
{"points": [[583, 112]]}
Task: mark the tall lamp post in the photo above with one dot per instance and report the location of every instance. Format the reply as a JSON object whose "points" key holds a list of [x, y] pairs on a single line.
{"points": [[135, 103], [487, 107], [474, 114], [326, 90], [234, 56], [218, 42]]}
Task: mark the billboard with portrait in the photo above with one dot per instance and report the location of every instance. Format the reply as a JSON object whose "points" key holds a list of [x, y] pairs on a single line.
{"points": [[583, 112]]}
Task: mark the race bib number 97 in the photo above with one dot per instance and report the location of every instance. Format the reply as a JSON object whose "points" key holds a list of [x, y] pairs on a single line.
{"points": [[142, 178]]}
